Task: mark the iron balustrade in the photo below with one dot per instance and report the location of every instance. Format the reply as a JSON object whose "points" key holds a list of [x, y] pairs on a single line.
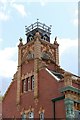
{"points": [[38, 25]]}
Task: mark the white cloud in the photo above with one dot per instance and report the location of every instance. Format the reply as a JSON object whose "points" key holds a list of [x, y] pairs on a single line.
{"points": [[68, 54], [6, 1], [65, 44], [75, 21], [20, 8], [0, 39], [3, 1], [76, 12], [4, 10], [8, 65], [45, 1], [3, 16]]}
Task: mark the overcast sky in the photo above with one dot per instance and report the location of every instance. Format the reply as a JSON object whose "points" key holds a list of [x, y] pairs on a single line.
{"points": [[16, 14]]}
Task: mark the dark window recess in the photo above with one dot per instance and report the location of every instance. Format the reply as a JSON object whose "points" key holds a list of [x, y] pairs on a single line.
{"points": [[23, 116], [28, 79], [30, 37], [31, 115], [32, 82], [46, 38], [30, 56], [41, 116], [45, 56], [26, 84], [22, 86]]}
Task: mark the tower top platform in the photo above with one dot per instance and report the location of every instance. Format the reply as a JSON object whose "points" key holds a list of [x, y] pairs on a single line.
{"points": [[38, 26]]}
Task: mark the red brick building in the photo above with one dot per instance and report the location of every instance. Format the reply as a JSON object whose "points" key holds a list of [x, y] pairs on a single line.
{"points": [[40, 87]]}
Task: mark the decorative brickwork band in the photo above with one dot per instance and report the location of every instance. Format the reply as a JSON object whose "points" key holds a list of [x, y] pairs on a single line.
{"points": [[68, 79]]}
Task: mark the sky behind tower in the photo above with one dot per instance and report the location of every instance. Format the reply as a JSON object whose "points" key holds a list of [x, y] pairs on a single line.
{"points": [[16, 14]]}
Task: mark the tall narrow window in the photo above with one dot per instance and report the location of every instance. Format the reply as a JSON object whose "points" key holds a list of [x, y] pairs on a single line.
{"points": [[24, 85], [28, 83], [31, 115], [32, 82], [24, 116], [41, 116]]}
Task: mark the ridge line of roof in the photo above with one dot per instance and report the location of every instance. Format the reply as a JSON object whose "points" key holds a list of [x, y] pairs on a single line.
{"points": [[52, 74]]}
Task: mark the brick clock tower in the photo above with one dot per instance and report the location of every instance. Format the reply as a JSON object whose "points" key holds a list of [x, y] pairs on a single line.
{"points": [[39, 49], [40, 88]]}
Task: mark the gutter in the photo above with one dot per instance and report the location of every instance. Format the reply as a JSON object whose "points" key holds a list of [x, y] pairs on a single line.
{"points": [[54, 100]]}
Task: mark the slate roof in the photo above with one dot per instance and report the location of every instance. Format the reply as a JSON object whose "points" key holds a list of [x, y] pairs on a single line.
{"points": [[58, 75]]}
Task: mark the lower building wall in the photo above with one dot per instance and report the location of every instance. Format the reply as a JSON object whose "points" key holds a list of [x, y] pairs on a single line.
{"points": [[60, 111], [9, 103], [48, 89]]}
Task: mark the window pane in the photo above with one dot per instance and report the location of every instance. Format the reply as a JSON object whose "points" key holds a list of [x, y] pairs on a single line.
{"points": [[32, 82], [41, 116], [31, 115], [24, 85], [28, 84], [24, 116]]}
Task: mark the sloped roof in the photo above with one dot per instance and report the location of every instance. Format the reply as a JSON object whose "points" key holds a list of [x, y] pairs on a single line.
{"points": [[56, 75]]}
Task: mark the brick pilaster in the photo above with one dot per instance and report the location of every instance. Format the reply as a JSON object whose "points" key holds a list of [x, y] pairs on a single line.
{"points": [[37, 57], [19, 72]]}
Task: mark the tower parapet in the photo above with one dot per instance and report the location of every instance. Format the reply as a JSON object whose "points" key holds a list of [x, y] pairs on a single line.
{"points": [[43, 29]]}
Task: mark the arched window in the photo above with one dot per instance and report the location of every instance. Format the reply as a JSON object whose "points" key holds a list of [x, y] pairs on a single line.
{"points": [[24, 116], [46, 37], [41, 116], [30, 37], [31, 115]]}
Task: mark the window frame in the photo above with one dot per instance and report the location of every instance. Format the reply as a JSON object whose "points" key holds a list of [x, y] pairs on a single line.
{"points": [[32, 115], [41, 116]]}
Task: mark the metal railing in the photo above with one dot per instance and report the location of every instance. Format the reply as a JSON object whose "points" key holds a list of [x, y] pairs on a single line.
{"points": [[38, 25]]}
